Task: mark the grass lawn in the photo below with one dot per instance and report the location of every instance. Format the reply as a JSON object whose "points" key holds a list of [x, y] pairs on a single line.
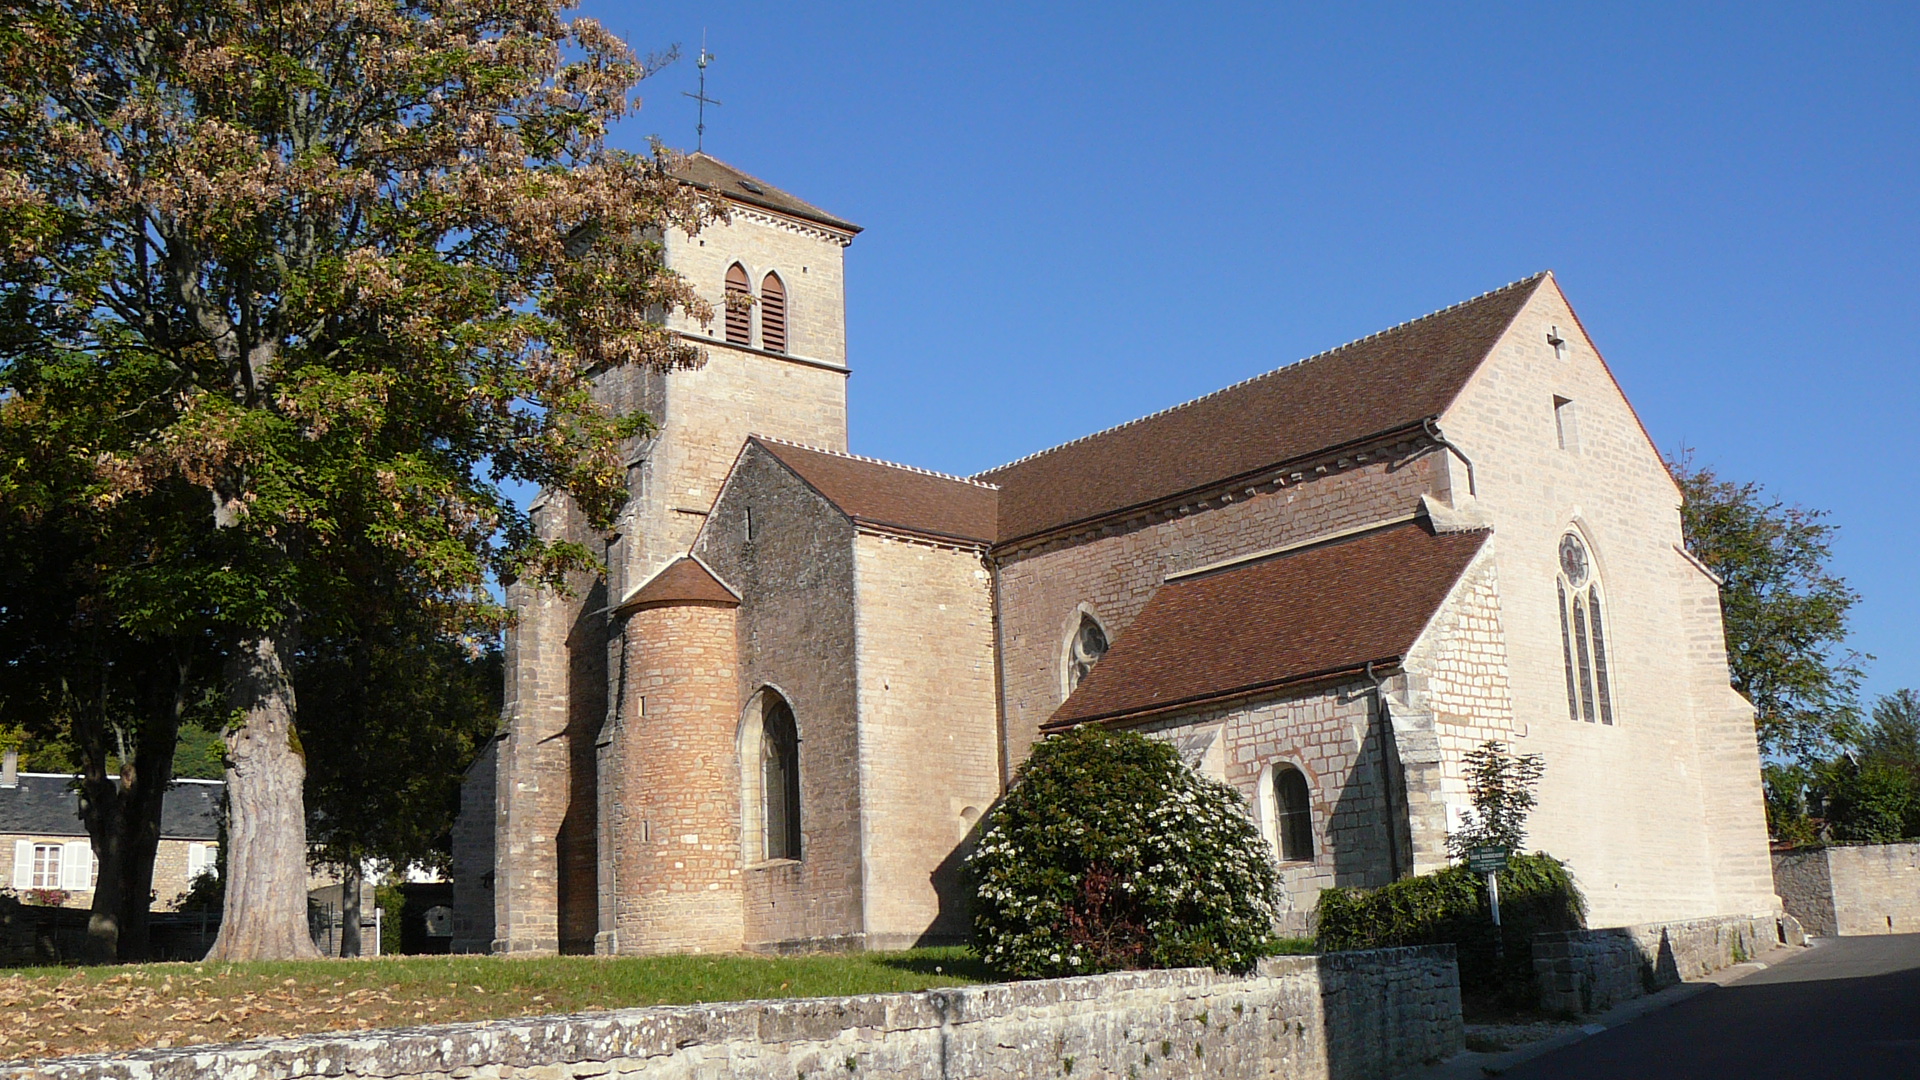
{"points": [[48, 1012]]}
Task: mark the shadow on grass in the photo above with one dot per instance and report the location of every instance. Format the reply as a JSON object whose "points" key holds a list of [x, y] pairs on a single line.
{"points": [[956, 961]]}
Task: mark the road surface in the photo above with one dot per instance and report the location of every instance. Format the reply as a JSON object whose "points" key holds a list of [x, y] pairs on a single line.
{"points": [[1848, 1007]]}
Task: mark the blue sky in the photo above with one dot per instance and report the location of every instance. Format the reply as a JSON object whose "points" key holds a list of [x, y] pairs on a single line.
{"points": [[1077, 214]]}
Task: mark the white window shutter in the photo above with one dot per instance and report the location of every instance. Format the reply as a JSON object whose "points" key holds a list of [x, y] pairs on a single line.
{"points": [[22, 865], [196, 861], [76, 866]]}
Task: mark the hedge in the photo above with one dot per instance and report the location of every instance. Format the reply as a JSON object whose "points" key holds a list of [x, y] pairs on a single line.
{"points": [[1450, 907]]}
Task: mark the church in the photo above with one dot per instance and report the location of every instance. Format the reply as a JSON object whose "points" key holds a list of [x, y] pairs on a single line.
{"points": [[775, 720]]}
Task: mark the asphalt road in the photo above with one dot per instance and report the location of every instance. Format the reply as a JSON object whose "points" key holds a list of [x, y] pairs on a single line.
{"points": [[1848, 1007]]}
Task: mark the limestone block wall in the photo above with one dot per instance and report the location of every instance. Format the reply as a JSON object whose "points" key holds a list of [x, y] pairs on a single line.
{"points": [[809, 259], [797, 639], [1854, 889], [1556, 447], [1041, 591], [1348, 1016], [1590, 971], [929, 741], [675, 832], [1329, 734]]}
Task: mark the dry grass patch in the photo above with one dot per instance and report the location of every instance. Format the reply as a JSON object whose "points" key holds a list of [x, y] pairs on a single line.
{"points": [[50, 1012]]}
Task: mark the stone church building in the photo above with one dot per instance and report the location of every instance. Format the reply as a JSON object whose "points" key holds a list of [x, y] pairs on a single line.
{"points": [[776, 719]]}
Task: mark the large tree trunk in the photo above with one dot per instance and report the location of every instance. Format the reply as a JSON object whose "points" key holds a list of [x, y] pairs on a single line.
{"points": [[122, 813], [350, 909], [265, 917]]}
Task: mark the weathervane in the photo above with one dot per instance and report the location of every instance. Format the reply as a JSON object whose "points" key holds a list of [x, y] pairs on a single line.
{"points": [[700, 132]]}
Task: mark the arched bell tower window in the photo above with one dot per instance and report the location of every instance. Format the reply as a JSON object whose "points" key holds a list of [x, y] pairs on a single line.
{"points": [[739, 313], [1583, 635], [1089, 644], [1293, 813], [773, 314], [780, 780]]}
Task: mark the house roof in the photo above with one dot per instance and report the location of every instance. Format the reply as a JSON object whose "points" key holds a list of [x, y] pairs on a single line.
{"points": [[711, 174], [45, 804], [1318, 610], [685, 580], [895, 498], [1392, 380]]}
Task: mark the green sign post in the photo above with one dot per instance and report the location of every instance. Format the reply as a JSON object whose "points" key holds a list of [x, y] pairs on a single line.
{"points": [[1490, 861]]}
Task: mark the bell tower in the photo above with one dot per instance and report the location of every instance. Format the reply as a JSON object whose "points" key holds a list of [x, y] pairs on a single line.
{"points": [[775, 366]]}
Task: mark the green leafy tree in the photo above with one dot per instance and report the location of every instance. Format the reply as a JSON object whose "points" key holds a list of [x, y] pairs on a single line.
{"points": [[395, 710], [1108, 852], [1785, 611], [371, 251], [1501, 787]]}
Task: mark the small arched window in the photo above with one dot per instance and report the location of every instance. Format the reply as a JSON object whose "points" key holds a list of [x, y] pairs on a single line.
{"points": [[780, 780], [1583, 635], [739, 308], [1293, 813], [1089, 644], [773, 314]]}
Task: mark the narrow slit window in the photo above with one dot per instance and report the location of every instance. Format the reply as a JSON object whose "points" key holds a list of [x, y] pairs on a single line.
{"points": [[773, 314], [1566, 423], [1600, 659], [1294, 809], [739, 306], [1566, 652]]}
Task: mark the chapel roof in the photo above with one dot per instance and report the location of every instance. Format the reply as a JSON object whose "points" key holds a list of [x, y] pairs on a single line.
{"points": [[711, 174], [685, 580], [894, 498], [45, 804], [1382, 383], [1302, 614]]}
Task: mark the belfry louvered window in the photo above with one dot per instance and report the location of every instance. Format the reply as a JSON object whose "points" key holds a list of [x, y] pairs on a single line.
{"points": [[773, 314], [1583, 635], [739, 306]]}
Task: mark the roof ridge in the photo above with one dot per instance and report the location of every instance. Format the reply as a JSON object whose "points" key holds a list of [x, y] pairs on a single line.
{"points": [[1323, 354], [877, 461]]}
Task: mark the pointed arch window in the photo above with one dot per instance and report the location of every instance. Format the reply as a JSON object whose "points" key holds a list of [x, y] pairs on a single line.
{"points": [[1583, 635], [773, 314], [780, 781], [1293, 813], [1089, 644], [739, 310]]}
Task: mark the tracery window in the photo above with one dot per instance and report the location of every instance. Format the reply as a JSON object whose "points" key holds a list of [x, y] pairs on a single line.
{"points": [[780, 781], [739, 313], [773, 314], [1583, 636], [1293, 808], [1089, 644]]}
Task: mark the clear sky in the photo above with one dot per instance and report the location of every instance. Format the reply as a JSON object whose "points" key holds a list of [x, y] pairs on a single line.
{"points": [[1078, 214]]}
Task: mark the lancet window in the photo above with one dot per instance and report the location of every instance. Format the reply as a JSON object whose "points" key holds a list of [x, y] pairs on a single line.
{"points": [[1583, 635]]}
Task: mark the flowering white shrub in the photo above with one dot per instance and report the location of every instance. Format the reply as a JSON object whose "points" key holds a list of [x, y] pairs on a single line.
{"points": [[1110, 853]]}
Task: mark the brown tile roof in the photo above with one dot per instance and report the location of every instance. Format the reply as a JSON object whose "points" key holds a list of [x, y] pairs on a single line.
{"points": [[686, 580], [1288, 618], [1391, 380], [898, 498], [710, 174]]}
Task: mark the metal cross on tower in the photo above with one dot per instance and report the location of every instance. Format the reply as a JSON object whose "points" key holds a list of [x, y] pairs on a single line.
{"points": [[700, 132]]}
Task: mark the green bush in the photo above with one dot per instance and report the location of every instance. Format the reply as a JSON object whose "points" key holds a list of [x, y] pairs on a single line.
{"points": [[1450, 907], [1109, 853]]}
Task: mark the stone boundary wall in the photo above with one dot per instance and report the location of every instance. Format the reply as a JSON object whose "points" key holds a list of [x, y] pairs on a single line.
{"points": [[1590, 971], [1344, 1016], [1851, 889]]}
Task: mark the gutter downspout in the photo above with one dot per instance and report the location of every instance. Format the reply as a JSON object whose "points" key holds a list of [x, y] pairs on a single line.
{"points": [[1389, 775], [1432, 426]]}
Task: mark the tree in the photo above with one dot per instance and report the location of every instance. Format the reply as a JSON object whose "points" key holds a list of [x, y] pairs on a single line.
{"points": [[377, 248], [1108, 852], [394, 709], [1501, 787], [1785, 612]]}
